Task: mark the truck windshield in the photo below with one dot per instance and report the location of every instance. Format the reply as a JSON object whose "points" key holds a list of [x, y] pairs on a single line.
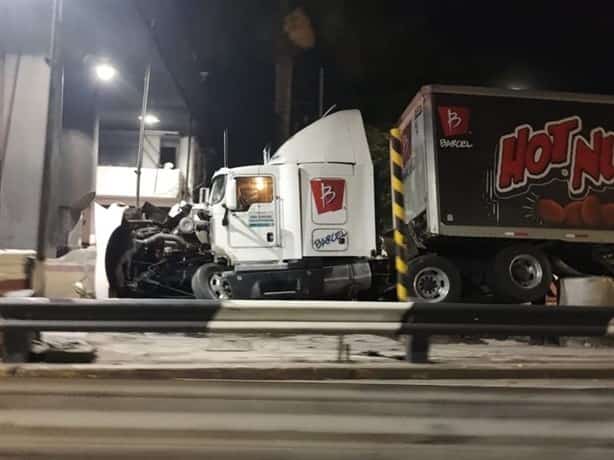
{"points": [[218, 187]]}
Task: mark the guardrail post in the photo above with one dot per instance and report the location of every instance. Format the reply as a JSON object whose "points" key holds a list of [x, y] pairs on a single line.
{"points": [[340, 348], [417, 350], [16, 345]]}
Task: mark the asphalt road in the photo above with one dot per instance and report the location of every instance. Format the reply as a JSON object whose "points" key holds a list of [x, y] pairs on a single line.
{"points": [[94, 419]]}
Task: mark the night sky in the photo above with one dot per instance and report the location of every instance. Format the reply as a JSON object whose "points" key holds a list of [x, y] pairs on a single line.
{"points": [[376, 54]]}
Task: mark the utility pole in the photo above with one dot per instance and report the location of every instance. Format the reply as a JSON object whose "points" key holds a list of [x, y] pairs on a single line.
{"points": [[139, 156], [283, 75]]}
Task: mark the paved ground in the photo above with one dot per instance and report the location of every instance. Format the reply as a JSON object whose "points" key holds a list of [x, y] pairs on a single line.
{"points": [[227, 348], [145, 419], [316, 358]]}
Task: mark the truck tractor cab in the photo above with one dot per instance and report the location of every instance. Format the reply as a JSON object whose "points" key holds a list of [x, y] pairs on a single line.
{"points": [[302, 225]]}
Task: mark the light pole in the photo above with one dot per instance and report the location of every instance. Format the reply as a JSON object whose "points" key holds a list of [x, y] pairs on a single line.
{"points": [[143, 121]]}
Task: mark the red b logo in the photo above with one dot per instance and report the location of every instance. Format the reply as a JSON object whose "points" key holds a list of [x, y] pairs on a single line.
{"points": [[454, 120], [328, 194]]}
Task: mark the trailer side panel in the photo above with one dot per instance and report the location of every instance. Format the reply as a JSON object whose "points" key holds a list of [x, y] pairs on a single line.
{"points": [[521, 167]]}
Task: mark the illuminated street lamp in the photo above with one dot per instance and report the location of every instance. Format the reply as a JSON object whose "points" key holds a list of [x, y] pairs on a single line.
{"points": [[105, 72], [150, 119]]}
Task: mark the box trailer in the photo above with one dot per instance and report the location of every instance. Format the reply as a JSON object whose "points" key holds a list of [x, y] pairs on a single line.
{"points": [[502, 190]]}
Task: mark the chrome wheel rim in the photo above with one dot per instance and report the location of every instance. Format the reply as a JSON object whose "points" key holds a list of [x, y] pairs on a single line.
{"points": [[526, 271], [432, 284], [219, 286]]}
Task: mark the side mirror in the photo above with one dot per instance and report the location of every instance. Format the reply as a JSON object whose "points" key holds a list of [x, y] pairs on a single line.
{"points": [[231, 194], [203, 195]]}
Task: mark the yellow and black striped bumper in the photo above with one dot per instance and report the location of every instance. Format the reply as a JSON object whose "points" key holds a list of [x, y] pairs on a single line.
{"points": [[398, 213]]}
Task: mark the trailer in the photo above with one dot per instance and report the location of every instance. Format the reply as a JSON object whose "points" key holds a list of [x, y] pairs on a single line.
{"points": [[499, 192]]}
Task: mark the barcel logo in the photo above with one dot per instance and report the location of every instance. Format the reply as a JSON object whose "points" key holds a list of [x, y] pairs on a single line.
{"points": [[454, 122], [328, 194], [558, 151]]}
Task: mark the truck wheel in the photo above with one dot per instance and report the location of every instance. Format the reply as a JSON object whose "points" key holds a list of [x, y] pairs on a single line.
{"points": [[434, 279], [118, 261], [521, 273], [208, 283]]}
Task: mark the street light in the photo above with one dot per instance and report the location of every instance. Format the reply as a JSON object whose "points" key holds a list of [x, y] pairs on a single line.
{"points": [[150, 119], [105, 72]]}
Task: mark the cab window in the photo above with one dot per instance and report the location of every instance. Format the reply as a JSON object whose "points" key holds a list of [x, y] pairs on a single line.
{"points": [[254, 189], [218, 188]]}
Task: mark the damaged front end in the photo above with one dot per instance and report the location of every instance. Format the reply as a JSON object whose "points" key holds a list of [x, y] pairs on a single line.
{"points": [[154, 254]]}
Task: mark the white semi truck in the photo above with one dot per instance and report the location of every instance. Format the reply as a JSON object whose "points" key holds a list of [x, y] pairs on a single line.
{"points": [[300, 225]]}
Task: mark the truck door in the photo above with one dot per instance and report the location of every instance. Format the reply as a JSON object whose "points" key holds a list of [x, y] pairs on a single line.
{"points": [[329, 215], [255, 224]]}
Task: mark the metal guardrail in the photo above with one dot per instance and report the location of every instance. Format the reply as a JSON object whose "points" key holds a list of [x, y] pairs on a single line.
{"points": [[20, 319]]}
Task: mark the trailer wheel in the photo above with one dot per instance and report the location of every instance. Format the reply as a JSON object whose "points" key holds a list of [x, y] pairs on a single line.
{"points": [[208, 283], [434, 278], [521, 273]]}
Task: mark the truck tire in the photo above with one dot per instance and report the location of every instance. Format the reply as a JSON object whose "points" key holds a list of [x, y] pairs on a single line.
{"points": [[208, 283], [118, 260], [520, 273], [434, 278]]}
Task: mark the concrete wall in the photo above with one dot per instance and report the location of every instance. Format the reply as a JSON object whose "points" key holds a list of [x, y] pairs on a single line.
{"points": [[78, 167], [73, 174], [22, 173], [74, 186]]}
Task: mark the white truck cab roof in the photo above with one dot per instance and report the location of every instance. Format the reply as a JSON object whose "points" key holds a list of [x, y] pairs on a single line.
{"points": [[342, 133]]}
